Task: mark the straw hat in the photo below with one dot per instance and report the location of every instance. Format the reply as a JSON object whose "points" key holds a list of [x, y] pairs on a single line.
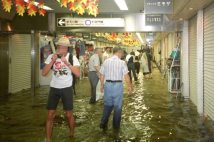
{"points": [[63, 41]]}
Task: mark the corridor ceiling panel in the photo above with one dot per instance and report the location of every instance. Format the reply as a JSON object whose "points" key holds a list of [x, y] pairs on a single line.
{"points": [[105, 6]]}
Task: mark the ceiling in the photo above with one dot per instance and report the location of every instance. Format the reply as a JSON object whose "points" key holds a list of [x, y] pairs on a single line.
{"points": [[181, 7], [185, 9], [105, 6]]}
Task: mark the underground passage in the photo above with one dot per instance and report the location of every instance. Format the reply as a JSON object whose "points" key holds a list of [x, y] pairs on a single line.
{"points": [[106, 71]]}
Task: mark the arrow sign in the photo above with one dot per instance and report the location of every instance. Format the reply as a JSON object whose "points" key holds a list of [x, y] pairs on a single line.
{"points": [[92, 22], [61, 22]]}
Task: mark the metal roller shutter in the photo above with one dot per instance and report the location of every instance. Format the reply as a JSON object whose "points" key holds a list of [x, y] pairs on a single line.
{"points": [[193, 58], [20, 68], [209, 61]]}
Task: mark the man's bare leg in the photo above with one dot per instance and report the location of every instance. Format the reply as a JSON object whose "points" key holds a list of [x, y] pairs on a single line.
{"points": [[49, 124], [71, 122]]}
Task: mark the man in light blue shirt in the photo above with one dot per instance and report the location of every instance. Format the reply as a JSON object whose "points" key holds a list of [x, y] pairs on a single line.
{"points": [[113, 70]]}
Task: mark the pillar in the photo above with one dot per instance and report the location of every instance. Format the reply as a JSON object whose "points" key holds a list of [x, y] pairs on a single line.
{"points": [[200, 58], [185, 60]]}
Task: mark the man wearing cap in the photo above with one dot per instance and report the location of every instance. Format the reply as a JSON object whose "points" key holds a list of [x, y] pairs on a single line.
{"points": [[61, 84]]}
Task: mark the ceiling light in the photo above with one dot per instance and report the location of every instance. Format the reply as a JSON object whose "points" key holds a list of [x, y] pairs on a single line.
{"points": [[44, 7], [140, 38], [121, 4]]}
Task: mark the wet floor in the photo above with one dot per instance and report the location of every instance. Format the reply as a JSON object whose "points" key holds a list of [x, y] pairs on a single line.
{"points": [[149, 115]]}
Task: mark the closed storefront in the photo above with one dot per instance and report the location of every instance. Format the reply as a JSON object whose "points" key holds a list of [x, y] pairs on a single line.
{"points": [[193, 59], [209, 61], [20, 67]]}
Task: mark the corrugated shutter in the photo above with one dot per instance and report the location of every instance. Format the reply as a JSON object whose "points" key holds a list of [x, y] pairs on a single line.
{"points": [[20, 68], [209, 61], [193, 58]]}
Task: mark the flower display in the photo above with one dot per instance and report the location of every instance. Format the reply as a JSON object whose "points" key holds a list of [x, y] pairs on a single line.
{"points": [[126, 39], [7, 4], [80, 7]]}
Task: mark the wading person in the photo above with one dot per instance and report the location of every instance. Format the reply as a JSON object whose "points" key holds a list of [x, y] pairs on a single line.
{"points": [[93, 75], [61, 84], [144, 62], [113, 70], [131, 66]]}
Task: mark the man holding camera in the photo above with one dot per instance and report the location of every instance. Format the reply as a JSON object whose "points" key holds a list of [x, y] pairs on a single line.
{"points": [[61, 84]]}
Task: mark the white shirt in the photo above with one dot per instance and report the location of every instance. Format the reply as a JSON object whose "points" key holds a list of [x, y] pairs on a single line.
{"points": [[93, 62], [114, 69], [61, 76]]}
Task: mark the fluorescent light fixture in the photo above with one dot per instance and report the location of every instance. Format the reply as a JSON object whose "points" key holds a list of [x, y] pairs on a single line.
{"points": [[121, 4], [140, 38], [44, 7]]}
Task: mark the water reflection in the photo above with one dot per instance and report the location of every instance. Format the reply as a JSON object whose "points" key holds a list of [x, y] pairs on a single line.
{"points": [[150, 114]]}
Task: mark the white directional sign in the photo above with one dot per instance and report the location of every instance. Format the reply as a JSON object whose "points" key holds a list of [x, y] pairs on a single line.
{"points": [[93, 22], [61, 22]]}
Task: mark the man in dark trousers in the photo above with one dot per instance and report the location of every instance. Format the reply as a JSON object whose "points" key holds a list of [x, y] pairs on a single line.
{"points": [[61, 84], [94, 67], [131, 65]]}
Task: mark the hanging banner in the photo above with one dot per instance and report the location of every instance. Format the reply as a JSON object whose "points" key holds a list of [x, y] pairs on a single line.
{"points": [[158, 6], [93, 22], [154, 20]]}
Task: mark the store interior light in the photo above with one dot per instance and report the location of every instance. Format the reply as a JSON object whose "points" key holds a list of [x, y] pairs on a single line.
{"points": [[121, 4], [44, 7], [190, 8], [140, 38]]}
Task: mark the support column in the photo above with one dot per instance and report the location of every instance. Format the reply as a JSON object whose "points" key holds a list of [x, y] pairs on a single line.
{"points": [[200, 59], [33, 63], [185, 60]]}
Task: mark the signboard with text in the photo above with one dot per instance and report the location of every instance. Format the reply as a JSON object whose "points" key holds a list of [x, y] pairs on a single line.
{"points": [[158, 6], [86, 35], [93, 22], [154, 20], [93, 37]]}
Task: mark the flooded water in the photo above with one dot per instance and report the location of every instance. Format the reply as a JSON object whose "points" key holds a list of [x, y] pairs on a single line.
{"points": [[150, 114]]}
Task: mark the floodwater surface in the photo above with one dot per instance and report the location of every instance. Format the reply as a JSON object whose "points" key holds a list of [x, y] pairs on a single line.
{"points": [[150, 114]]}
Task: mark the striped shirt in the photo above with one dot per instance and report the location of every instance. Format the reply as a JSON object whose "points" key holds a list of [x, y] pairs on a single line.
{"points": [[114, 68]]}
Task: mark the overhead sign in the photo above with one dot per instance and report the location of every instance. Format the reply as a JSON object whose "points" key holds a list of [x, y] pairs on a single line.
{"points": [[86, 35], [101, 39], [93, 37], [154, 20], [158, 6], [93, 22]]}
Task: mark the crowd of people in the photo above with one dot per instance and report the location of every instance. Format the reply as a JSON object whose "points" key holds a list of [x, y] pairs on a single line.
{"points": [[108, 69]]}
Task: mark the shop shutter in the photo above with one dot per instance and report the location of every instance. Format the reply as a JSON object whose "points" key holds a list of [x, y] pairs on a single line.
{"points": [[20, 68], [193, 59], [209, 61]]}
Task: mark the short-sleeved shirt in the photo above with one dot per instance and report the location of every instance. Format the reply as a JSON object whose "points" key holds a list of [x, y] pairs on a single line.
{"points": [[114, 69], [61, 77], [93, 62]]}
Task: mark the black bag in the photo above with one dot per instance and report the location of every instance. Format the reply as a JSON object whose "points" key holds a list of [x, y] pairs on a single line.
{"points": [[74, 77]]}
